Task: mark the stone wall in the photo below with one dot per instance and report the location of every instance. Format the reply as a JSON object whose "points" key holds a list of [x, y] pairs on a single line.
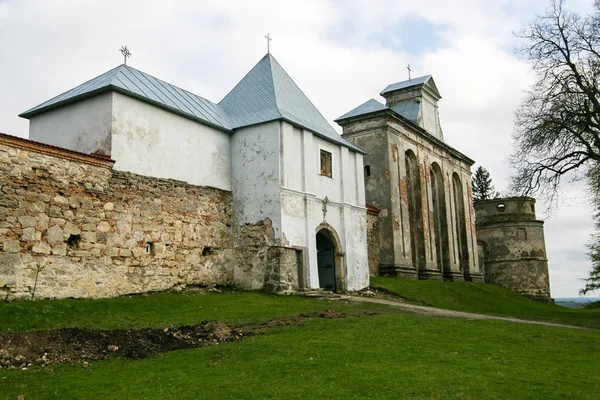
{"points": [[282, 270], [81, 229], [373, 239], [514, 248]]}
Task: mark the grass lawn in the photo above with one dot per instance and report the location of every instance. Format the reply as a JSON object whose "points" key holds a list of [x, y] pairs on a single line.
{"points": [[159, 310], [388, 355], [484, 298], [379, 357]]}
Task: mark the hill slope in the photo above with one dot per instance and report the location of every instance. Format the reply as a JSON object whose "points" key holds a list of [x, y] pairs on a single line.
{"points": [[484, 298]]}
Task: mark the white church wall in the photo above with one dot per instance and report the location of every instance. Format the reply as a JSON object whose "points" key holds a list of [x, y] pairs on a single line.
{"points": [[302, 201], [83, 126], [356, 258], [255, 166], [150, 141]]}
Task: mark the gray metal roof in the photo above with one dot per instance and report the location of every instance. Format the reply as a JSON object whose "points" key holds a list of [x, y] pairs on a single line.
{"points": [[135, 83], [406, 84], [268, 93], [408, 110], [367, 107]]}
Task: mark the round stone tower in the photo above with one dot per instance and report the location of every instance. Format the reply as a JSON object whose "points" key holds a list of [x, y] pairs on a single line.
{"points": [[512, 248]]}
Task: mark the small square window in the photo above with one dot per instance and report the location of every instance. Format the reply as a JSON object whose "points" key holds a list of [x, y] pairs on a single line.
{"points": [[325, 163]]}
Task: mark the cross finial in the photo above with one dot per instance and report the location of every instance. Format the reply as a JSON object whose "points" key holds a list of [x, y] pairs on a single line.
{"points": [[408, 68], [126, 54], [268, 37]]}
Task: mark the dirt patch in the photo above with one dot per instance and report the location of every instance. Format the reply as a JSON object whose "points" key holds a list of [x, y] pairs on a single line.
{"points": [[298, 320], [23, 349]]}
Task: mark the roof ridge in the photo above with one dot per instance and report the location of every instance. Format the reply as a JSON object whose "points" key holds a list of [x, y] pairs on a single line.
{"points": [[270, 59], [301, 91]]}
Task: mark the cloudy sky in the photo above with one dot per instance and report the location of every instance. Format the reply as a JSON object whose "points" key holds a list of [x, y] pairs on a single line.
{"points": [[341, 53]]}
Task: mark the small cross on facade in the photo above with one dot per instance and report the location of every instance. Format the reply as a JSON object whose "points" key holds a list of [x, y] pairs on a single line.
{"points": [[126, 54], [408, 68], [268, 37]]}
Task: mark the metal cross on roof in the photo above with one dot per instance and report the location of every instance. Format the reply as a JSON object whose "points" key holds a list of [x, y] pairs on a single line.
{"points": [[126, 54], [268, 37], [408, 68]]}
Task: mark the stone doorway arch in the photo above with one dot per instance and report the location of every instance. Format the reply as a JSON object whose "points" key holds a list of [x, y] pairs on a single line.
{"points": [[330, 258]]}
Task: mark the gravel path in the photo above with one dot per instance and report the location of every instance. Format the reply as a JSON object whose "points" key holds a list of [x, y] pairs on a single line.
{"points": [[424, 310]]}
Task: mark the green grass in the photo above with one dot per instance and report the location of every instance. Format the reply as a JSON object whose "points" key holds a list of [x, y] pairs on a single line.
{"points": [[158, 310], [379, 357], [485, 298], [388, 355]]}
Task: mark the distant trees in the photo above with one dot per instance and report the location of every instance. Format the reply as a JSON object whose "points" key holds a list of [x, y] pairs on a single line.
{"points": [[482, 185], [558, 124]]}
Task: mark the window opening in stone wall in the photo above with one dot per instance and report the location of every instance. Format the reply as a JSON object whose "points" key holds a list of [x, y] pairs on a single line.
{"points": [[150, 249], [367, 170], [207, 251], [326, 163], [73, 241]]}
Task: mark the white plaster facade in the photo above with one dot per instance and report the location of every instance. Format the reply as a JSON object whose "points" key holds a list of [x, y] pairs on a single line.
{"points": [[140, 137], [275, 175]]}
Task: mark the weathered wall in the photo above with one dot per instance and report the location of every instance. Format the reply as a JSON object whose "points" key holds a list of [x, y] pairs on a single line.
{"points": [[255, 175], [150, 141], [281, 270], [373, 239], [387, 141], [83, 126], [87, 228], [309, 199], [141, 138], [514, 246], [276, 177]]}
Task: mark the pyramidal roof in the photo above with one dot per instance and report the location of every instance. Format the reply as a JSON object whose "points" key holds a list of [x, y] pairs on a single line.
{"points": [[266, 93], [135, 83]]}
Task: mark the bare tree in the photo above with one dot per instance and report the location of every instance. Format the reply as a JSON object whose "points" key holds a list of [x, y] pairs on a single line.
{"points": [[557, 130], [558, 124]]}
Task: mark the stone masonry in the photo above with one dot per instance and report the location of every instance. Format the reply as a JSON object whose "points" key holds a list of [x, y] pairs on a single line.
{"points": [[81, 229], [514, 249]]}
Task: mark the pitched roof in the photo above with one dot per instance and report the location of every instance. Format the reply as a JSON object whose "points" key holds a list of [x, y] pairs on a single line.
{"points": [[409, 110], [135, 83], [420, 81], [367, 107], [266, 93]]}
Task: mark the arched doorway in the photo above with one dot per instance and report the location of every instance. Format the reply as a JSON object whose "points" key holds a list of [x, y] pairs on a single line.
{"points": [[329, 259]]}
